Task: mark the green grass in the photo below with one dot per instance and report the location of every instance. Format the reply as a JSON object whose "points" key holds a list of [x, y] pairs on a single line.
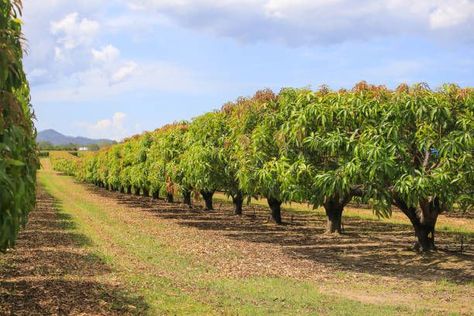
{"points": [[281, 296], [171, 282]]}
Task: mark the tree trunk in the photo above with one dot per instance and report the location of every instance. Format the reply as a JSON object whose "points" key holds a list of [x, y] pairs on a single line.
{"points": [[207, 196], [275, 207], [187, 197], [238, 201], [423, 220], [137, 192], [334, 217], [129, 190], [169, 198], [156, 195], [146, 192], [122, 189], [425, 237]]}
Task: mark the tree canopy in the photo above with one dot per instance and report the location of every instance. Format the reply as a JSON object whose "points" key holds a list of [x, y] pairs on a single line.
{"points": [[18, 153], [411, 148]]}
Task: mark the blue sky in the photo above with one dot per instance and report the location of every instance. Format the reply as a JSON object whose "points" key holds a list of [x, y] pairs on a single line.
{"points": [[118, 67]]}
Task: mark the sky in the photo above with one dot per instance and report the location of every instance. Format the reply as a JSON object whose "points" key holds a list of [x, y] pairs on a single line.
{"points": [[119, 67]]}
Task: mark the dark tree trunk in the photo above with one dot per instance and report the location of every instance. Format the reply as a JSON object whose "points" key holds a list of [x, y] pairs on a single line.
{"points": [[156, 195], [275, 207], [207, 196], [334, 216], [122, 189], [425, 237], [423, 221], [129, 190], [137, 192], [146, 192], [238, 200], [169, 198], [187, 197]]}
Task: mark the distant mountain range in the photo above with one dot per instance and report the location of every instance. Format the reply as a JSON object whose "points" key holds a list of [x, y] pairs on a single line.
{"points": [[58, 139]]}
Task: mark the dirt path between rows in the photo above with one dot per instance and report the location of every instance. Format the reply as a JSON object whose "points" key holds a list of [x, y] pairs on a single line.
{"points": [[371, 263], [51, 272]]}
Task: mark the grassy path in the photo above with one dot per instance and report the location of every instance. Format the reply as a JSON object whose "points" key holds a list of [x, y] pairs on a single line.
{"points": [[53, 271], [178, 261]]}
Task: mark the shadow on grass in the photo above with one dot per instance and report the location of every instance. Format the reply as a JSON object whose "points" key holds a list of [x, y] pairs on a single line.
{"points": [[367, 246], [51, 273]]}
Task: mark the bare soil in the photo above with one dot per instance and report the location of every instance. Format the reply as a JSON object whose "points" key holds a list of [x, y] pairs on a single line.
{"points": [[51, 272], [366, 246], [371, 262]]}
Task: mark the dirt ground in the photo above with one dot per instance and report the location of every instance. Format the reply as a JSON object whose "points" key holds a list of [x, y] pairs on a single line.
{"points": [[372, 262], [51, 272], [370, 247]]}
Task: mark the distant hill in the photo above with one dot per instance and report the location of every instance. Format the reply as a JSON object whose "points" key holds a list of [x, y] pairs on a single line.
{"points": [[58, 139]]}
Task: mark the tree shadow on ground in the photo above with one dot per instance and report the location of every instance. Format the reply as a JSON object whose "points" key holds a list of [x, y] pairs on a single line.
{"points": [[51, 272], [367, 246]]}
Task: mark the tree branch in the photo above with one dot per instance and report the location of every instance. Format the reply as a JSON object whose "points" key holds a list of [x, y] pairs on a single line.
{"points": [[427, 159]]}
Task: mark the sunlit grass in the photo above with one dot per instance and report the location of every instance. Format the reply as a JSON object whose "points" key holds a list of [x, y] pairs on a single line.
{"points": [[173, 283]]}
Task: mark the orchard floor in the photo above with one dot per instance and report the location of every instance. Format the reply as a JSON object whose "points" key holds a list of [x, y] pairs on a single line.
{"points": [[91, 251]]}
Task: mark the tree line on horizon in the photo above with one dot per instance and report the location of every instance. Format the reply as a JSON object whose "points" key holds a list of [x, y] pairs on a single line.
{"points": [[410, 148]]}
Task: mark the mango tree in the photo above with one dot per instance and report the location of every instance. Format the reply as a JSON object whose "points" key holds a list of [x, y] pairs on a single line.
{"points": [[64, 162], [204, 160], [323, 134], [172, 144], [18, 154], [255, 124], [115, 167], [127, 164], [155, 165], [427, 139], [139, 173]]}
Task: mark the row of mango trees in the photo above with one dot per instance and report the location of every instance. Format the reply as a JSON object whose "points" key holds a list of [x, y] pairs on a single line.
{"points": [[18, 156], [410, 148]]}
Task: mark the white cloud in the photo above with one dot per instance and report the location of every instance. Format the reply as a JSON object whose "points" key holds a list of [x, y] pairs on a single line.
{"points": [[98, 83], [308, 22], [107, 54], [124, 72], [114, 127], [59, 54], [73, 31], [452, 14]]}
